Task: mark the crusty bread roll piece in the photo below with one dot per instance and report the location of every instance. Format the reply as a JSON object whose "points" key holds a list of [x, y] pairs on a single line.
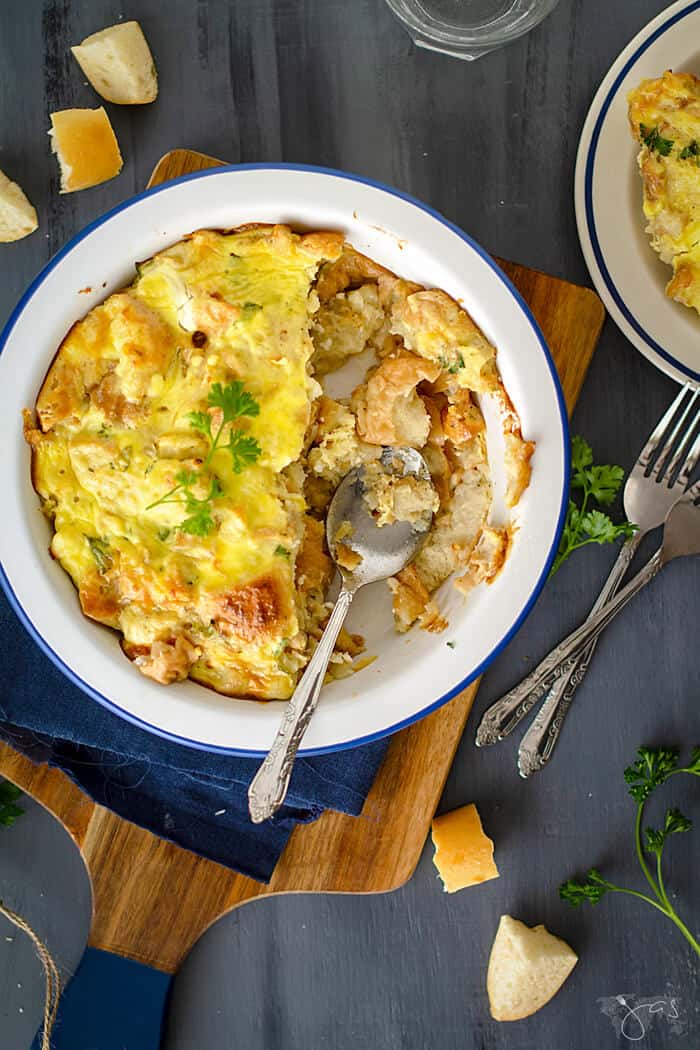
{"points": [[527, 968], [118, 63], [17, 216], [86, 147]]}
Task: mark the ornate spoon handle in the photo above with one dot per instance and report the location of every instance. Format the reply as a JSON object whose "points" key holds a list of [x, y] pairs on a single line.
{"points": [[539, 741], [502, 717], [268, 787]]}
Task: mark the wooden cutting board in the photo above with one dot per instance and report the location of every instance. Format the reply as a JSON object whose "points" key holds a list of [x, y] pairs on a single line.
{"points": [[153, 900]]}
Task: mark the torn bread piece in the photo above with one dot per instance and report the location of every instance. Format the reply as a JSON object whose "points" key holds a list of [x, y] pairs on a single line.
{"points": [[455, 531], [433, 325], [335, 449], [463, 853], [349, 270], [487, 558], [412, 603], [434, 366], [389, 409], [118, 63], [86, 148], [527, 967], [395, 497], [518, 451], [343, 327], [17, 216]]}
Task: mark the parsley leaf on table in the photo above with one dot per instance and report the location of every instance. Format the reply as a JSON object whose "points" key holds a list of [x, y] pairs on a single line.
{"points": [[595, 483], [599, 528], [9, 812], [593, 887], [651, 769], [674, 822], [604, 483]]}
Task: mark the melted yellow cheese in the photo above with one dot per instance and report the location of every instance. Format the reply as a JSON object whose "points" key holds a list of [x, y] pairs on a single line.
{"points": [[669, 107], [115, 432]]}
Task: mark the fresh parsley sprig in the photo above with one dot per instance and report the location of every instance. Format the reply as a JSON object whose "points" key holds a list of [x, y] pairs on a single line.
{"points": [[652, 769], [691, 151], [654, 141], [244, 450], [199, 521], [9, 812], [234, 401], [599, 484]]}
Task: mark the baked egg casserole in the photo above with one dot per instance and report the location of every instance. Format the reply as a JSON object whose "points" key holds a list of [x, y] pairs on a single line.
{"points": [[664, 116], [186, 453]]}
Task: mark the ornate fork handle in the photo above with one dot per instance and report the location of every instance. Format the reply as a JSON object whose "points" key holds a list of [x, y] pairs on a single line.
{"points": [[539, 741], [502, 717], [269, 785]]}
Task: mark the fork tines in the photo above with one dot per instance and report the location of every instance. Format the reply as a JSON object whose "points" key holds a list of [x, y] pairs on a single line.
{"points": [[675, 442]]}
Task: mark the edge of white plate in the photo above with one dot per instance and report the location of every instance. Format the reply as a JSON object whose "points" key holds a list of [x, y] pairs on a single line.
{"points": [[585, 221]]}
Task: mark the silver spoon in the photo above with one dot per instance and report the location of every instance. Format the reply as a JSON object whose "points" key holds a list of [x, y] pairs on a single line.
{"points": [[384, 551]]}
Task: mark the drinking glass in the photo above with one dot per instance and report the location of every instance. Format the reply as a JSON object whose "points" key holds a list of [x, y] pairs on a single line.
{"points": [[469, 28]]}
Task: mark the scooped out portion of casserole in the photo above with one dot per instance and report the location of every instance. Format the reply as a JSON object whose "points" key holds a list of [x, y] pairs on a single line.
{"points": [[186, 454]]}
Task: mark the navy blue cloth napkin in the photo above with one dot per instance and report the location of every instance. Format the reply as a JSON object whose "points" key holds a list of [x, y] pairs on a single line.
{"points": [[193, 798]]}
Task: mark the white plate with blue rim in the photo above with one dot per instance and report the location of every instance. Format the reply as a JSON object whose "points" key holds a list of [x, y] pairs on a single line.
{"points": [[628, 275], [413, 673]]}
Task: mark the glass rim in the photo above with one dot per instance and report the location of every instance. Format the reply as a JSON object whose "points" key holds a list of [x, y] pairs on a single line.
{"points": [[452, 36]]}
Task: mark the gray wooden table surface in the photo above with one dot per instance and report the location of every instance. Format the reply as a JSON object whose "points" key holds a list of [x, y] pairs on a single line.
{"points": [[491, 145]]}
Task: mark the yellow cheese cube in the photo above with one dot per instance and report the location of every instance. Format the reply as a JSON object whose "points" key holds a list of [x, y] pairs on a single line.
{"points": [[463, 853], [86, 147]]}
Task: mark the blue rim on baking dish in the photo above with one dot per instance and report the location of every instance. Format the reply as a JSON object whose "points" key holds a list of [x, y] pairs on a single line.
{"points": [[585, 164], [142, 723]]}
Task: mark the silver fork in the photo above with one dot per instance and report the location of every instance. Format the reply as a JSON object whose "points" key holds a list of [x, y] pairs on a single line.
{"points": [[646, 505], [646, 499], [681, 537]]}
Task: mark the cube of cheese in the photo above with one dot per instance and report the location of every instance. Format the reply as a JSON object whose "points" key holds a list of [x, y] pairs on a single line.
{"points": [[463, 853], [527, 967], [86, 147], [118, 63], [17, 216]]}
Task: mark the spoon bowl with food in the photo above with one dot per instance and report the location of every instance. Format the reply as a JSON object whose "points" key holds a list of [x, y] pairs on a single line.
{"points": [[377, 520]]}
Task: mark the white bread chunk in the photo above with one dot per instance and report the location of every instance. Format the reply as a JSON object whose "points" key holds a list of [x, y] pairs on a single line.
{"points": [[17, 216], [86, 147], [118, 63], [527, 968]]}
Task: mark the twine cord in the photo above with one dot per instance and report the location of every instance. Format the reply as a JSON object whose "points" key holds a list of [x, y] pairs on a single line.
{"points": [[53, 979]]}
